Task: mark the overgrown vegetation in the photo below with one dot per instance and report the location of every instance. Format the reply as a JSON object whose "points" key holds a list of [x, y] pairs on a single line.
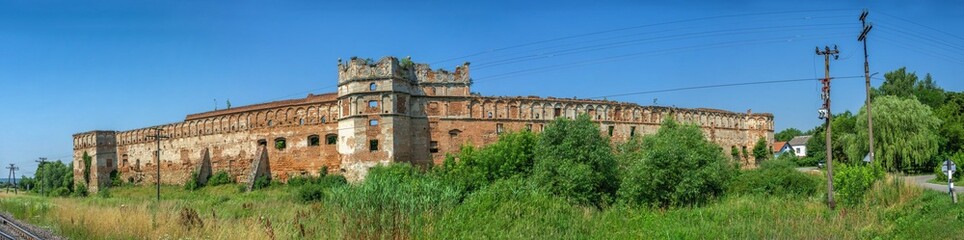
{"points": [[657, 171]]}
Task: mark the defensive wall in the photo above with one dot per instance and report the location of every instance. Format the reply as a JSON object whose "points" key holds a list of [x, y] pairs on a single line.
{"points": [[386, 111]]}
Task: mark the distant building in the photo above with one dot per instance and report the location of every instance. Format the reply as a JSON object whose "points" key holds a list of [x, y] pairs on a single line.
{"points": [[780, 148], [799, 145]]}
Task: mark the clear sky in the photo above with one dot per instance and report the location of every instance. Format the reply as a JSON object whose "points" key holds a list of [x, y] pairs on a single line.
{"points": [[72, 66]]}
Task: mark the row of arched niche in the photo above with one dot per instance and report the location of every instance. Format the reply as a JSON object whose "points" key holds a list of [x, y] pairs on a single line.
{"points": [[325, 113], [538, 110]]}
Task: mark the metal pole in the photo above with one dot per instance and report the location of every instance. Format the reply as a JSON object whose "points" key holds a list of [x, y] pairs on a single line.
{"points": [[157, 134]]}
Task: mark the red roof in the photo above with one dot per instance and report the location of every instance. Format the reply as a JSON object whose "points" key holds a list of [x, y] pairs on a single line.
{"points": [[778, 145]]}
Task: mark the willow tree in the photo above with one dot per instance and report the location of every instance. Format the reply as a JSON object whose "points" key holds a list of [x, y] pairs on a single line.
{"points": [[905, 134]]}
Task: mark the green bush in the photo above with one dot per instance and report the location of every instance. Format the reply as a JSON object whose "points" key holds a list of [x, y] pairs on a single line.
{"points": [[809, 161], [785, 160], [511, 156], [313, 188], [851, 182], [677, 166], [775, 177], [957, 159], [573, 160], [311, 192], [192, 183], [81, 190], [220, 178], [115, 179], [262, 182]]}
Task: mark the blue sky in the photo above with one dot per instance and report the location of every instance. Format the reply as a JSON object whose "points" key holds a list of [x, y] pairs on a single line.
{"points": [[70, 66]]}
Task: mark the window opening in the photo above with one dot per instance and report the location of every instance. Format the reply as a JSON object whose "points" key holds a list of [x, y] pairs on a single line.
{"points": [[331, 139], [313, 140], [371, 87], [632, 131], [433, 147], [373, 122], [498, 128], [373, 145], [373, 104], [280, 143], [611, 128]]}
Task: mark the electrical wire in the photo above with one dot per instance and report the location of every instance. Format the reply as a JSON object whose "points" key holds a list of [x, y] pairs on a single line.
{"points": [[720, 86]]}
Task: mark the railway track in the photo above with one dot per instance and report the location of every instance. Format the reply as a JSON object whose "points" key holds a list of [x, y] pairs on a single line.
{"points": [[10, 230]]}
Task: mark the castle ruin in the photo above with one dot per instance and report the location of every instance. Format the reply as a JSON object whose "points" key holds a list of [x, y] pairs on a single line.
{"points": [[383, 112]]}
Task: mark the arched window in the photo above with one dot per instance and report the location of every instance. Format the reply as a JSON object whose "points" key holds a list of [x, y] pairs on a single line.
{"points": [[371, 87], [313, 140]]}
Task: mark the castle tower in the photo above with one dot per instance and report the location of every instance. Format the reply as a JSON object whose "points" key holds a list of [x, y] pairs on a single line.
{"points": [[101, 147], [382, 110]]}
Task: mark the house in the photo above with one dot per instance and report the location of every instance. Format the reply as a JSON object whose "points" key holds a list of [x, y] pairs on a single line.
{"points": [[780, 148], [799, 145]]}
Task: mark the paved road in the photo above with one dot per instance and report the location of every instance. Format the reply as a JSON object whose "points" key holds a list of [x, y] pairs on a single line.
{"points": [[922, 181]]}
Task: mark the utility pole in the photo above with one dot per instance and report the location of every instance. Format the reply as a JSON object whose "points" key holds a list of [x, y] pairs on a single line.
{"points": [[870, 118], [41, 162], [826, 114], [13, 177], [157, 137]]}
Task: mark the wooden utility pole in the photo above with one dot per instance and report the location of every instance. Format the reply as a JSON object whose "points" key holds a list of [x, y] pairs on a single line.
{"points": [[13, 177], [40, 166], [157, 137], [870, 118], [826, 114]]}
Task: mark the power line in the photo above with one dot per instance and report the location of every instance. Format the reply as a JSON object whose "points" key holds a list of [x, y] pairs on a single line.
{"points": [[653, 52], [719, 86], [657, 39], [631, 28]]}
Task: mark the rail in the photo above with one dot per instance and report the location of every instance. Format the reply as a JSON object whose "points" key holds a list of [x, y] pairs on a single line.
{"points": [[22, 232]]}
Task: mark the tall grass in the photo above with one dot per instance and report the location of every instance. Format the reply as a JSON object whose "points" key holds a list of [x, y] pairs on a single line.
{"points": [[404, 206]]}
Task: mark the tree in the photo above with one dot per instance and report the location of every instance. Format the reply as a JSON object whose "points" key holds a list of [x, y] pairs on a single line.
{"points": [[843, 125], [761, 151], [900, 83], [905, 135], [574, 160], [787, 134], [952, 123], [677, 166]]}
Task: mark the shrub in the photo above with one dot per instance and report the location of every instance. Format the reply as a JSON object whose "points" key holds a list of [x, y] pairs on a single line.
{"points": [[775, 177], [852, 181], [81, 190], [677, 166], [220, 178], [573, 160], [311, 192], [511, 156], [192, 183], [958, 159], [115, 179], [262, 182], [301, 180], [785, 160]]}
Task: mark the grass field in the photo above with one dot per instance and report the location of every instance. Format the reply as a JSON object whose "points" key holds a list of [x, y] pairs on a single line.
{"points": [[891, 210]]}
